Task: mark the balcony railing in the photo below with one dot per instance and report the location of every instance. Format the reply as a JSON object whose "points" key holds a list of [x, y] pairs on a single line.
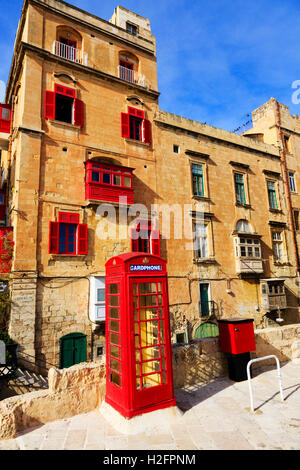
{"points": [[131, 76], [70, 53], [207, 308]]}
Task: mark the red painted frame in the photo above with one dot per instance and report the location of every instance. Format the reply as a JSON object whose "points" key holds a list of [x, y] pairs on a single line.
{"points": [[110, 192], [125, 398], [5, 123]]}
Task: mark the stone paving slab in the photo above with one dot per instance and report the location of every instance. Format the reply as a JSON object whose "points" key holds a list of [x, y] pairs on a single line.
{"points": [[214, 416]]}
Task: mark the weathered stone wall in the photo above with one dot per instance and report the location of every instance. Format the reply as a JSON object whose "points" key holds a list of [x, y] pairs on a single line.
{"points": [[200, 361], [72, 391], [277, 341]]}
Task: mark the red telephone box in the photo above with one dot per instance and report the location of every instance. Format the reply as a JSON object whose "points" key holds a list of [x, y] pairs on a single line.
{"points": [[139, 375]]}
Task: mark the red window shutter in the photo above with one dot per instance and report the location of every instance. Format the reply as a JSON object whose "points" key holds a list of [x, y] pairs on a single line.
{"points": [[155, 242], [134, 242], [63, 90], [68, 217], [82, 245], [125, 125], [136, 112], [54, 237], [147, 131], [78, 112], [49, 105]]}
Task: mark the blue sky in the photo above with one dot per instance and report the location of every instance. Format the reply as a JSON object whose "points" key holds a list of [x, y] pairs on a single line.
{"points": [[217, 61]]}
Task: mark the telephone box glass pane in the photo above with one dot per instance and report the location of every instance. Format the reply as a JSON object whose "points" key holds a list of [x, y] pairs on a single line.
{"points": [[114, 338], [151, 380], [149, 334], [113, 289], [114, 312], [115, 351], [114, 325], [115, 378]]}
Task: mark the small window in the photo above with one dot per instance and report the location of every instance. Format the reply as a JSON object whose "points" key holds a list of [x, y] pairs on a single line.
{"points": [[277, 239], [292, 182], [247, 248], [272, 194], [240, 194], [296, 218], [132, 29], [176, 148], [201, 241], [135, 126], [67, 236], [197, 179], [62, 105], [145, 239]]}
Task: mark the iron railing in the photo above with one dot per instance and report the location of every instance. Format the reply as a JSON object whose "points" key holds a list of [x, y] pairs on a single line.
{"points": [[131, 76], [70, 53]]}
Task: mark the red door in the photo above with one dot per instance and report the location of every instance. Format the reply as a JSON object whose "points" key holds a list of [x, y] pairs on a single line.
{"points": [[152, 375]]}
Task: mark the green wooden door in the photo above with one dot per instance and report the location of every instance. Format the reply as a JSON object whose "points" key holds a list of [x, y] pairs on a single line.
{"points": [[207, 330], [72, 349], [204, 304]]}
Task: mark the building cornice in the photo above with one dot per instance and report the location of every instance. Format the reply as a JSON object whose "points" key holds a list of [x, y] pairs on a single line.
{"points": [[46, 55], [93, 27], [201, 133]]}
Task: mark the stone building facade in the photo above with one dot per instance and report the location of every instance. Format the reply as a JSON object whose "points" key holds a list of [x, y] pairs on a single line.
{"points": [[86, 129]]}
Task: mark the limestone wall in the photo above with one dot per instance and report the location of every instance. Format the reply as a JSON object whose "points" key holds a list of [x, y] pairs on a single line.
{"points": [[72, 391]]}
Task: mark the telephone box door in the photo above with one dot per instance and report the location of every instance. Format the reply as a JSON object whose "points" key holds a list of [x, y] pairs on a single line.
{"points": [[152, 381]]}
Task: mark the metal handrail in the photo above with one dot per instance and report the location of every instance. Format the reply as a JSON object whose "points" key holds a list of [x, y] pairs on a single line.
{"points": [[249, 378]]}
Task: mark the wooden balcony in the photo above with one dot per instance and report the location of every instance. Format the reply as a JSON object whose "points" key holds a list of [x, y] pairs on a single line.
{"points": [[249, 265], [5, 120], [108, 183]]}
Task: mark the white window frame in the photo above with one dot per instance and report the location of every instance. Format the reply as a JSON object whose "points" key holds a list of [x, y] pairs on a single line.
{"points": [[247, 247], [277, 245], [292, 182], [199, 238], [97, 308]]}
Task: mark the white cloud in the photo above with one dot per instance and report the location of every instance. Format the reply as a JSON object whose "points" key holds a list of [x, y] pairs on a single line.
{"points": [[2, 91]]}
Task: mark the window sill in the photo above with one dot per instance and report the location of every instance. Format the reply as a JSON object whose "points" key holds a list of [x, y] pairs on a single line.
{"points": [[201, 198], [64, 124], [276, 211], [204, 261], [64, 255], [281, 263], [246, 206], [137, 142]]}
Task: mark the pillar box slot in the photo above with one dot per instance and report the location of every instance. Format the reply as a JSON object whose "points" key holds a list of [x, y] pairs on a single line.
{"points": [[139, 375]]}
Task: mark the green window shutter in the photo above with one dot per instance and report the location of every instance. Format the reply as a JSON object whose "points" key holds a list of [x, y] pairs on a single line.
{"points": [[239, 188], [272, 195], [198, 184], [207, 330]]}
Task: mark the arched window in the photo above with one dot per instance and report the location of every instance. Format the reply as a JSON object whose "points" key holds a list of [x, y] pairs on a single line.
{"points": [[68, 45], [243, 226], [129, 68]]}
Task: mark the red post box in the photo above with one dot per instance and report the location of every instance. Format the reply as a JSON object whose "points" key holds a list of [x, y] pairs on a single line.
{"points": [[139, 374], [237, 340], [236, 335]]}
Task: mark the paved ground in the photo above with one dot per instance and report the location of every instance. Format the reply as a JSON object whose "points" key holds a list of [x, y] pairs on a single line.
{"points": [[215, 416]]}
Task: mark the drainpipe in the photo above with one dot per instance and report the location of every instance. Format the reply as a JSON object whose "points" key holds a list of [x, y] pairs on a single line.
{"points": [[286, 181]]}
